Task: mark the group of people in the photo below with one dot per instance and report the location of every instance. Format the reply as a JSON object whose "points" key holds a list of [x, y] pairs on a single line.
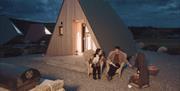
{"points": [[115, 62]]}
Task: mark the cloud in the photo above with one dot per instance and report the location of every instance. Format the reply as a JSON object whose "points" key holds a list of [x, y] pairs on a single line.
{"points": [[133, 12], [170, 9], [139, 2], [43, 10], [173, 5], [148, 12]]}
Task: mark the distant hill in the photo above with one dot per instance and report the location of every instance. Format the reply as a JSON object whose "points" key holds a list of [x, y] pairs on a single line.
{"points": [[153, 32]]}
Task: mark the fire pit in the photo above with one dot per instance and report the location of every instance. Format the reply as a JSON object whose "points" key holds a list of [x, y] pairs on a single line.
{"points": [[16, 78]]}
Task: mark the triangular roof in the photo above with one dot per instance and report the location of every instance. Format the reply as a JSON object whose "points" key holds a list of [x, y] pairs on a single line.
{"points": [[104, 25], [32, 31], [107, 26], [21, 25], [35, 32], [7, 30]]}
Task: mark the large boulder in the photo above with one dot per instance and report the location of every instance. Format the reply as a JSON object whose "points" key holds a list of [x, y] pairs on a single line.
{"points": [[162, 49]]}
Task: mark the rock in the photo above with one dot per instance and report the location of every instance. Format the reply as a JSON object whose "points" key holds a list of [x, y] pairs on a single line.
{"points": [[42, 88], [162, 49], [50, 85], [141, 44], [57, 84]]}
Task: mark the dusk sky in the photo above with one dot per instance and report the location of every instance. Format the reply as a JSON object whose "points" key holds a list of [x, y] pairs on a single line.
{"points": [[156, 13]]}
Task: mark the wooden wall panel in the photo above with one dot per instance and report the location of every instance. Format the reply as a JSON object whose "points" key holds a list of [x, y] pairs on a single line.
{"points": [[66, 44]]}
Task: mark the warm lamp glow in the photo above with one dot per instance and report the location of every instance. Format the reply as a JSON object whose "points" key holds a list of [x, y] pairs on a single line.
{"points": [[79, 45], [90, 45], [61, 29]]}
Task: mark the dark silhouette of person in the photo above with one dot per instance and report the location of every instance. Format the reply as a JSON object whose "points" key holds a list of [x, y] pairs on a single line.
{"points": [[142, 70]]}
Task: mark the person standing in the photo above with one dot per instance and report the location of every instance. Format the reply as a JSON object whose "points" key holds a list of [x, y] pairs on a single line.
{"points": [[116, 58], [96, 60]]}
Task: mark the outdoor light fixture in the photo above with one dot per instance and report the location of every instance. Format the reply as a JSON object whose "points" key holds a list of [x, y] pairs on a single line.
{"points": [[61, 29], [84, 24]]}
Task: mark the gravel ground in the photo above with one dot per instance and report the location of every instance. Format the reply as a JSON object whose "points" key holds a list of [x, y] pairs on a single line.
{"points": [[167, 80]]}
